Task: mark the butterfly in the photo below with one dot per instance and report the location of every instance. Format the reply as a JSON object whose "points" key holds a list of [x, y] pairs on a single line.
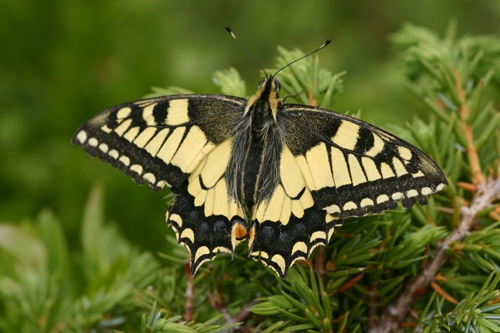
{"points": [[279, 175]]}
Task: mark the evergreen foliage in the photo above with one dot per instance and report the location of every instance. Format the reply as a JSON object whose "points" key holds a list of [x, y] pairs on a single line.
{"points": [[430, 269]]}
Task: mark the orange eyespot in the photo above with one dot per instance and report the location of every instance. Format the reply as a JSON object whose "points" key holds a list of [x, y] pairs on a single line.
{"points": [[239, 231]]}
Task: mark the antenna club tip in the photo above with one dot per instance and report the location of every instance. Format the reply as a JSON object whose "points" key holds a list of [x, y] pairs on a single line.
{"points": [[328, 41], [230, 31]]}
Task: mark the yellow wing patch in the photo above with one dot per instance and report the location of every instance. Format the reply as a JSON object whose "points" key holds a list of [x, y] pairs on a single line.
{"points": [[209, 189]]}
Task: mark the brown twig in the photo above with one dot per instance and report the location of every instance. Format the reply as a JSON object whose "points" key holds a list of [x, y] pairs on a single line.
{"points": [[319, 262], [372, 305], [487, 192], [189, 294], [464, 110], [239, 317]]}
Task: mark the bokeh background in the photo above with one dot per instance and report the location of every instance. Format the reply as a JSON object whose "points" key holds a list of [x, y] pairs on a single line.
{"points": [[63, 61]]}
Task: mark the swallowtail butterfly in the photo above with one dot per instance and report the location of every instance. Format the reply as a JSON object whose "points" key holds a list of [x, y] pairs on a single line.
{"points": [[281, 176]]}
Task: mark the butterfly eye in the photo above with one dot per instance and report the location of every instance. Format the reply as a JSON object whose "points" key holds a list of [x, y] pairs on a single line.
{"points": [[262, 83], [277, 84]]}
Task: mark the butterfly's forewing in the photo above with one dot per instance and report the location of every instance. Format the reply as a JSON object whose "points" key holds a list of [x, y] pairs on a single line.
{"points": [[182, 142], [333, 167]]}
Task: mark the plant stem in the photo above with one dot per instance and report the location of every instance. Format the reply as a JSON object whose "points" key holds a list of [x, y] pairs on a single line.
{"points": [[464, 110]]}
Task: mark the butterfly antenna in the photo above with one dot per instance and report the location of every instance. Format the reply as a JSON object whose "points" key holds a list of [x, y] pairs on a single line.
{"points": [[244, 48], [304, 56]]}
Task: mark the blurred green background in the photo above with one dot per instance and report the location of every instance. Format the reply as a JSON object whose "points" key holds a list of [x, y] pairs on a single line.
{"points": [[63, 61]]}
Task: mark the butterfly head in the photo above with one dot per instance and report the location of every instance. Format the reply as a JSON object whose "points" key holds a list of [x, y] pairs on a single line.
{"points": [[265, 102], [269, 88]]}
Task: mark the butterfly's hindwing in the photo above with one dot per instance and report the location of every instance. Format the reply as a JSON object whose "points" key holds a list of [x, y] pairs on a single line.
{"points": [[207, 223]]}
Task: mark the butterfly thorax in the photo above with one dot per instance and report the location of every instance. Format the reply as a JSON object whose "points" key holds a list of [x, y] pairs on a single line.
{"points": [[253, 175]]}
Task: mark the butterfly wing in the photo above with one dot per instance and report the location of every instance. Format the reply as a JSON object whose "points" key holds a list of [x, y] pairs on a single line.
{"points": [[289, 225], [182, 142], [333, 167]]}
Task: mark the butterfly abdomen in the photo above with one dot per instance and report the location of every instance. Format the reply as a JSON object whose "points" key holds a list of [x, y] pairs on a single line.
{"points": [[253, 173]]}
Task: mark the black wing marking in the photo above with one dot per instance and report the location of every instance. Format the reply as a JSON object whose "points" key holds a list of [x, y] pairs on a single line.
{"points": [[353, 168], [160, 140], [182, 142]]}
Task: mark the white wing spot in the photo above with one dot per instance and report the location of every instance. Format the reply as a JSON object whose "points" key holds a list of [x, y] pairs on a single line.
{"points": [[114, 153], [162, 184], [350, 205], [125, 160], [103, 147], [366, 202], [333, 209], [397, 195], [426, 190], [149, 177], [81, 136], [382, 198], [137, 168], [412, 193], [93, 142], [439, 187]]}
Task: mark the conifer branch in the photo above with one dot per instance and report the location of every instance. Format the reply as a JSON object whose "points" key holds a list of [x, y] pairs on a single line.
{"points": [[487, 192]]}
